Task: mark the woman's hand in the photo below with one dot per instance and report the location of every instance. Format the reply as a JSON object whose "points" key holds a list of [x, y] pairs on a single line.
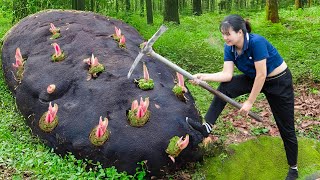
{"points": [[247, 105], [196, 79]]}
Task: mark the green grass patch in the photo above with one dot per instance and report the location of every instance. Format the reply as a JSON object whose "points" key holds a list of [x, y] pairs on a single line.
{"points": [[262, 158]]}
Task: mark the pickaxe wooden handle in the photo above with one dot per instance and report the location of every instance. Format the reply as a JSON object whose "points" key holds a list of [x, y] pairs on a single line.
{"points": [[148, 50]]}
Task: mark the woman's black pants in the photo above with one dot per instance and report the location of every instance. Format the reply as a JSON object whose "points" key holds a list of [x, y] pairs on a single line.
{"points": [[279, 93]]}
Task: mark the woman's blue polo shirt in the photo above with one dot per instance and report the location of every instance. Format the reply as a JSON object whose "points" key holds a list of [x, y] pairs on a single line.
{"points": [[255, 48]]}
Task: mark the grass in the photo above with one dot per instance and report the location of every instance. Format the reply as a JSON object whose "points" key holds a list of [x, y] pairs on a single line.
{"points": [[262, 158], [195, 45]]}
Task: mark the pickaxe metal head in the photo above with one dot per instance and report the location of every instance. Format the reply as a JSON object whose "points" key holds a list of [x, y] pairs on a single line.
{"points": [[147, 48]]}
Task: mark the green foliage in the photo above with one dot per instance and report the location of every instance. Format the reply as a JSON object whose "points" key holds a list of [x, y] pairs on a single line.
{"points": [[177, 90], [172, 148], [259, 131], [94, 70], [135, 121], [145, 84]]}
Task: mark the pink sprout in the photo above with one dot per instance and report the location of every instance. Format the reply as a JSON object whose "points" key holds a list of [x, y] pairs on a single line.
{"points": [[102, 127], [183, 143], [92, 62], [118, 32], [53, 29], [134, 105], [145, 72], [122, 40], [57, 49], [142, 107], [19, 59], [172, 158], [181, 82], [51, 114]]}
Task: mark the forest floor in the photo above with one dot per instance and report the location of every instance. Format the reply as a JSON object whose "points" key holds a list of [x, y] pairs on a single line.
{"points": [[307, 117]]}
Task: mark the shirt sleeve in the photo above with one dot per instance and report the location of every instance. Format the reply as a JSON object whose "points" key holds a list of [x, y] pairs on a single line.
{"points": [[228, 54], [260, 49]]}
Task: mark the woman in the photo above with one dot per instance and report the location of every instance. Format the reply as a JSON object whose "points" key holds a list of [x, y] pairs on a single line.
{"points": [[263, 71]]}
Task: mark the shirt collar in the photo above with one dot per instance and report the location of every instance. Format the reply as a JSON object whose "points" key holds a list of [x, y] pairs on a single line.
{"points": [[245, 44]]}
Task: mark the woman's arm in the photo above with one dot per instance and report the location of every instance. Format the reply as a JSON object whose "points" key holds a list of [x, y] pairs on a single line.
{"points": [[224, 76], [261, 74]]}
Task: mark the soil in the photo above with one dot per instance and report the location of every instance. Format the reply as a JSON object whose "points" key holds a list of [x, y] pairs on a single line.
{"points": [[307, 115]]}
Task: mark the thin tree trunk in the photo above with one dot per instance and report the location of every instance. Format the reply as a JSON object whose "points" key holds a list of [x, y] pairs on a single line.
{"points": [[74, 4], [78, 4], [212, 5], [141, 8], [272, 11], [309, 3], [149, 12], [160, 5], [128, 5], [93, 5], [197, 10], [298, 4], [171, 12]]}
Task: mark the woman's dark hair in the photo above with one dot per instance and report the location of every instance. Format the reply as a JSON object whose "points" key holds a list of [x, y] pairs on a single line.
{"points": [[235, 22]]}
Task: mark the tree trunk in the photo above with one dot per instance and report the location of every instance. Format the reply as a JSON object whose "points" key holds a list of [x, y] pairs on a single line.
{"points": [[272, 11], [171, 12], [117, 6], [160, 5], [141, 8], [309, 3], [127, 5], [74, 4], [298, 4], [212, 5], [93, 5], [78, 4], [197, 10], [149, 12]]}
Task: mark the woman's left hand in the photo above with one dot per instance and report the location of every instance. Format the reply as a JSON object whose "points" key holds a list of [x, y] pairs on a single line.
{"points": [[247, 105]]}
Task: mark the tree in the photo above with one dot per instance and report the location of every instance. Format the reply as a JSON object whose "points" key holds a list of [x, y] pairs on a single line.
{"points": [[197, 7], [298, 4], [141, 8], [149, 12], [171, 12], [128, 5], [309, 3], [117, 6], [212, 5], [78, 4], [93, 5], [272, 11]]}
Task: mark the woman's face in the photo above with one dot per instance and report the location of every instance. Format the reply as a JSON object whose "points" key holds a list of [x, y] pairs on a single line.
{"points": [[231, 37]]}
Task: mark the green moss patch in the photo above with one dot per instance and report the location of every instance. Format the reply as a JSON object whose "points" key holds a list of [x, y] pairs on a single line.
{"points": [[262, 158]]}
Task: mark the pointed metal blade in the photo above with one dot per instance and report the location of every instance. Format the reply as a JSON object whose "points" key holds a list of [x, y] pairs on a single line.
{"points": [[136, 61]]}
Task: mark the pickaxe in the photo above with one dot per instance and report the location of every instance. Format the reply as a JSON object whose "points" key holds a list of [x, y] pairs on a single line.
{"points": [[147, 49]]}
